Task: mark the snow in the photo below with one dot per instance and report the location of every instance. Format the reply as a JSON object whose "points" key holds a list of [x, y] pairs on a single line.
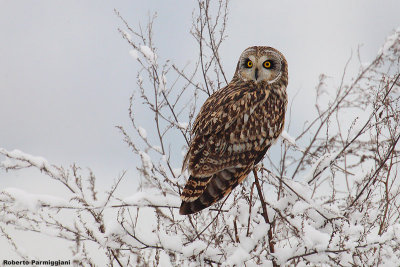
{"points": [[238, 258], [142, 132], [134, 53], [22, 200], [194, 248], [149, 54], [157, 148], [113, 227], [390, 42], [172, 242], [183, 125], [260, 230], [152, 198], [164, 260], [299, 207], [146, 160], [282, 203], [127, 35], [321, 164], [282, 254], [177, 171], [39, 162], [315, 238], [359, 177], [242, 212], [288, 138], [163, 83], [10, 164], [241, 253]]}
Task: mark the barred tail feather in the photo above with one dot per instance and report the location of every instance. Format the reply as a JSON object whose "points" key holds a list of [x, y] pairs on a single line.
{"points": [[218, 186], [194, 187]]}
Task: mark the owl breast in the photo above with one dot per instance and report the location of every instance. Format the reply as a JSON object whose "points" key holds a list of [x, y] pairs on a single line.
{"points": [[246, 139], [258, 128]]}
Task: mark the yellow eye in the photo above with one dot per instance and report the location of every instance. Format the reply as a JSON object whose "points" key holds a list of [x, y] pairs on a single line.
{"points": [[267, 64], [249, 63]]}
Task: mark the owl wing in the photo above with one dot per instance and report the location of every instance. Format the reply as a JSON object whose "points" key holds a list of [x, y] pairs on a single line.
{"points": [[218, 111], [222, 109], [223, 152], [228, 138]]}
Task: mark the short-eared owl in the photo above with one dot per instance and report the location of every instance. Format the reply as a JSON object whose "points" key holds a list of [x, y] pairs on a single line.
{"points": [[235, 127]]}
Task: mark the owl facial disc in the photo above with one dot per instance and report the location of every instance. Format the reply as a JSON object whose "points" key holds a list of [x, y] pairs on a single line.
{"points": [[260, 65]]}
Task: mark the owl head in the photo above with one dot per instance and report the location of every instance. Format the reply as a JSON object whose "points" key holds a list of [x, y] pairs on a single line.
{"points": [[262, 64]]}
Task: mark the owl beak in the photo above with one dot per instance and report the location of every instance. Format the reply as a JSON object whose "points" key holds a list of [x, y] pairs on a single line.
{"points": [[256, 74]]}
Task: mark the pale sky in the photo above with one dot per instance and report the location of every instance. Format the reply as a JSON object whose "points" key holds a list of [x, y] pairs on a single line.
{"points": [[66, 74]]}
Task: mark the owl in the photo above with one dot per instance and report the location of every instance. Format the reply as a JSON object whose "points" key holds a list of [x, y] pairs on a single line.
{"points": [[235, 127]]}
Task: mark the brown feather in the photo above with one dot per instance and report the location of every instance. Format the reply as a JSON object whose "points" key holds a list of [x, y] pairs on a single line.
{"points": [[221, 185], [232, 132]]}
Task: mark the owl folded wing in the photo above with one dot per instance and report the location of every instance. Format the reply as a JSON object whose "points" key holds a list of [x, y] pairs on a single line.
{"points": [[221, 116]]}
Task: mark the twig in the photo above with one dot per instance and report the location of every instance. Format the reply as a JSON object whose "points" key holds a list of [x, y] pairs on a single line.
{"points": [[265, 215]]}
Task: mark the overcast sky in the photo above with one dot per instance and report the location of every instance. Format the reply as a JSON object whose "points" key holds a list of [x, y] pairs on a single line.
{"points": [[66, 74]]}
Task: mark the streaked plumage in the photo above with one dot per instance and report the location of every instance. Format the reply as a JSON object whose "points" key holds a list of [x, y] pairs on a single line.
{"points": [[235, 127]]}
